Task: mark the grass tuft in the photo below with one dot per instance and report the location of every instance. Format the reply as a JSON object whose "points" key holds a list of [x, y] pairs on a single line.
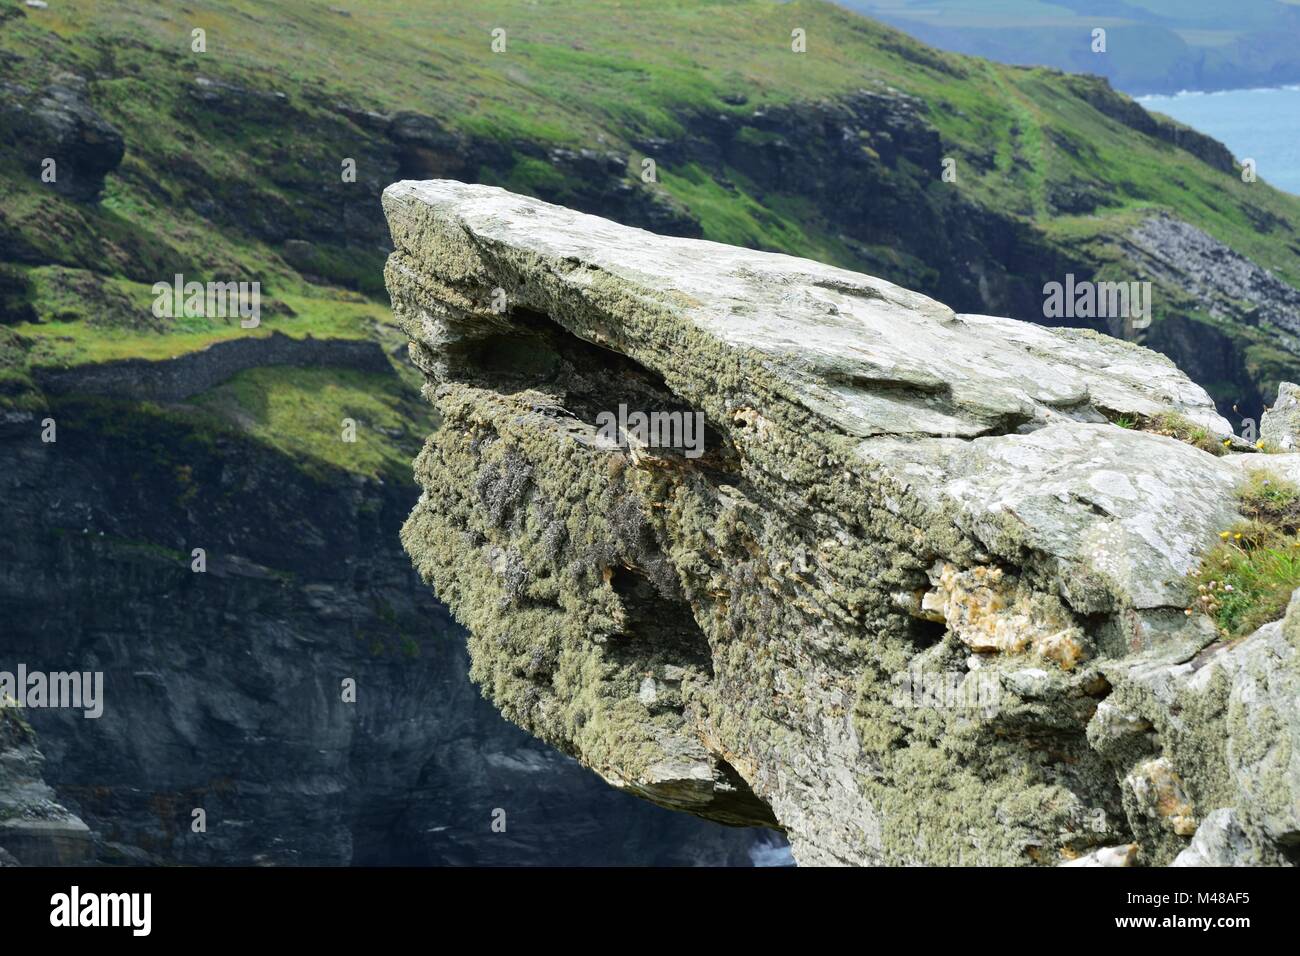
{"points": [[1247, 579], [1173, 425]]}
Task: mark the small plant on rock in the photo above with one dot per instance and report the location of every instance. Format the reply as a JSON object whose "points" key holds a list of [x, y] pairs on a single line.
{"points": [[1173, 425], [1246, 580]]}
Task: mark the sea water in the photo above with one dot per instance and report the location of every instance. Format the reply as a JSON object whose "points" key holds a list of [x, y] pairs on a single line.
{"points": [[1259, 124]]}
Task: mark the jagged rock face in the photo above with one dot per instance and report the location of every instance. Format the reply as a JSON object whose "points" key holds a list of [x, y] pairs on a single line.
{"points": [[891, 597], [1220, 279], [1253, 305], [1226, 723]]}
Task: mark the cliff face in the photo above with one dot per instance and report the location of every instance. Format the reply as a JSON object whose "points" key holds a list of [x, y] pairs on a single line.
{"points": [[915, 594], [222, 689]]}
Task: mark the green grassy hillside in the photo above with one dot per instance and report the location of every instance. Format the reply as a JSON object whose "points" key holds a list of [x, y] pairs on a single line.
{"points": [[231, 163]]}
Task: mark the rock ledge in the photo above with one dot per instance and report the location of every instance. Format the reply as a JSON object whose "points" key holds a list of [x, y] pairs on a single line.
{"points": [[913, 599]]}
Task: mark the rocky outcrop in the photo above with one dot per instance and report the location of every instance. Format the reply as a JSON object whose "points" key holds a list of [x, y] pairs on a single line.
{"points": [[905, 589], [35, 829], [1223, 318], [1217, 732], [59, 123], [1224, 283]]}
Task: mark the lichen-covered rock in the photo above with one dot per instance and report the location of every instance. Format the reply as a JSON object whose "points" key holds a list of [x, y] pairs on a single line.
{"points": [[1228, 717], [1264, 734], [888, 603]]}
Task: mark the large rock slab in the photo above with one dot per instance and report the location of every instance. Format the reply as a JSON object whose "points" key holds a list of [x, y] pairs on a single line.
{"points": [[877, 599]]}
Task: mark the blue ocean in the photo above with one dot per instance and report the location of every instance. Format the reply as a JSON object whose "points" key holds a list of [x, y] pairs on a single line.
{"points": [[1260, 124]]}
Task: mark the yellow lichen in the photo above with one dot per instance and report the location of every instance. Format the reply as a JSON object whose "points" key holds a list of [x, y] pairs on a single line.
{"points": [[992, 612]]}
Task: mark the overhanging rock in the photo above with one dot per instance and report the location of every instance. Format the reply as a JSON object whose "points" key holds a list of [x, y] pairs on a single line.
{"points": [[884, 602]]}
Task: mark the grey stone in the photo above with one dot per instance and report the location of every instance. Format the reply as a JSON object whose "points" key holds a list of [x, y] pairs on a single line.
{"points": [[1219, 841], [1264, 732], [1228, 722], [58, 122], [1280, 425], [1225, 283]]}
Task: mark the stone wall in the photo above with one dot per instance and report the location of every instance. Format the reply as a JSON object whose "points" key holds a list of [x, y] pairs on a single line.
{"points": [[174, 380]]}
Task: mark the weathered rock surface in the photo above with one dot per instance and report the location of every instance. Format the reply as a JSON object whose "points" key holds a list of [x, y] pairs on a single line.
{"points": [[1280, 425], [1218, 841], [1228, 309], [1226, 724], [907, 598]]}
